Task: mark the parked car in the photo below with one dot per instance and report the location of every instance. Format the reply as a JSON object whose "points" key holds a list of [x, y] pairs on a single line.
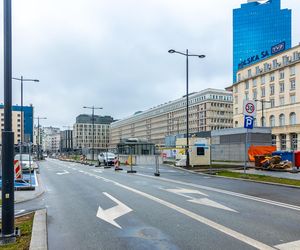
{"points": [[26, 165], [106, 159]]}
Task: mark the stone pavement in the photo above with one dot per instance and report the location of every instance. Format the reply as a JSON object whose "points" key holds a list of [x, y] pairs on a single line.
{"points": [[287, 175]]}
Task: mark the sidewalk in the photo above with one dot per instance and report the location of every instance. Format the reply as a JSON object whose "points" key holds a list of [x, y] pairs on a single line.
{"points": [[287, 175], [21, 196]]}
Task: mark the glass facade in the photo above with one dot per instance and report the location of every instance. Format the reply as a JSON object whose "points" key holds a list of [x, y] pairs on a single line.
{"points": [[260, 30]]}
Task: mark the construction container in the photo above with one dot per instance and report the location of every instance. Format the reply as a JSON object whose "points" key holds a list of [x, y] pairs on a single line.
{"points": [[285, 155]]}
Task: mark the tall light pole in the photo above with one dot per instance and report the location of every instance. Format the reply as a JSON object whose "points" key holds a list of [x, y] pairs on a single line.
{"points": [[39, 139], [187, 55], [93, 126], [262, 110], [22, 80], [8, 217]]}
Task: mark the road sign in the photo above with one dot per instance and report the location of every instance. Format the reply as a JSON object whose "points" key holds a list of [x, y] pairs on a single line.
{"points": [[248, 122], [249, 108]]}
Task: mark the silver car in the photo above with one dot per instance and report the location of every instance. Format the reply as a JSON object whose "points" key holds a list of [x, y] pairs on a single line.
{"points": [[106, 159], [26, 165]]}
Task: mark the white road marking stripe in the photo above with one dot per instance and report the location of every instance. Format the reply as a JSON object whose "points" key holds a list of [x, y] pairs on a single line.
{"points": [[249, 197], [295, 245], [210, 223]]}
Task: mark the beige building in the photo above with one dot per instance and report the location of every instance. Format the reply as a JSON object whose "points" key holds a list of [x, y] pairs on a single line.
{"points": [[210, 109], [16, 125], [274, 83], [83, 132]]}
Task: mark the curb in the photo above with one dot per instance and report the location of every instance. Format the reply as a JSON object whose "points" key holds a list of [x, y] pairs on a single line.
{"points": [[39, 231], [239, 179]]}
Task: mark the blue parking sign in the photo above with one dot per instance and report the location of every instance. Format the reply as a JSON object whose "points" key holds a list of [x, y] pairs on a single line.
{"points": [[248, 122]]}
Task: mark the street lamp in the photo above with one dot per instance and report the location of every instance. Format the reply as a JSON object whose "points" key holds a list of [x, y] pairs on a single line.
{"points": [[39, 139], [22, 80], [93, 125], [7, 234], [262, 110], [187, 55]]}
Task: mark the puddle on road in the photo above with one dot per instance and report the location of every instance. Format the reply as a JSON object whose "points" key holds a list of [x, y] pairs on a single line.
{"points": [[147, 238]]}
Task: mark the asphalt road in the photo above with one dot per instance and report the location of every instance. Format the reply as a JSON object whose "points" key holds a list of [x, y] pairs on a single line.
{"points": [[96, 208]]}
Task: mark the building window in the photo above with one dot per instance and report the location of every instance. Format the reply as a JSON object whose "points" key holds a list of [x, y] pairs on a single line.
{"points": [[249, 73], [293, 84], [292, 70], [272, 89], [263, 79], [254, 94], [272, 121], [293, 118], [274, 63], [247, 85], [293, 99], [257, 71], [281, 87], [282, 142], [281, 101], [281, 74], [236, 100], [263, 92], [254, 82], [239, 77], [273, 140], [263, 121], [272, 103], [272, 77], [281, 120], [294, 141], [246, 96]]}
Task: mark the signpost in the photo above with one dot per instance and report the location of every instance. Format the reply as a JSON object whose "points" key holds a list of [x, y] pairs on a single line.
{"points": [[249, 111]]}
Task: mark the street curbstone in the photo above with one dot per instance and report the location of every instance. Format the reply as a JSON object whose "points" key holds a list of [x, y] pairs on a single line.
{"points": [[39, 231]]}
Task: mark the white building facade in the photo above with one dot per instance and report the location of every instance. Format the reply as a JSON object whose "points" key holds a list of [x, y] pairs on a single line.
{"points": [[275, 84], [210, 109]]}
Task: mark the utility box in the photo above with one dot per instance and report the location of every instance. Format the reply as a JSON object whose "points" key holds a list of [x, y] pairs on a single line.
{"points": [[199, 151]]}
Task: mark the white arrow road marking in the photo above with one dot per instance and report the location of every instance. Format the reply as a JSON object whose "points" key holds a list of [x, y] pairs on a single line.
{"points": [[295, 245], [62, 173], [208, 202], [202, 201], [109, 215]]}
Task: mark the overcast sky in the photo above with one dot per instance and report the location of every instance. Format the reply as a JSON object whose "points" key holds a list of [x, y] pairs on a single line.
{"points": [[114, 53]]}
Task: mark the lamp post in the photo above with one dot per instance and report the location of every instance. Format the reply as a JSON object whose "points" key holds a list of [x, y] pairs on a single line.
{"points": [[22, 80], [8, 216], [187, 55], [39, 139], [262, 110], [93, 125]]}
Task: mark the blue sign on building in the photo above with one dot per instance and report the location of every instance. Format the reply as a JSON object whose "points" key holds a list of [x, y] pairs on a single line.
{"points": [[248, 122]]}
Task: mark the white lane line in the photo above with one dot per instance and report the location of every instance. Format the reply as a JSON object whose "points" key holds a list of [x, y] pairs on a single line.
{"points": [[295, 245], [249, 197], [201, 219]]}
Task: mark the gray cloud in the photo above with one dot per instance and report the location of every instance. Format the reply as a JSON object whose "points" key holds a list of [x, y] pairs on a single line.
{"points": [[113, 53]]}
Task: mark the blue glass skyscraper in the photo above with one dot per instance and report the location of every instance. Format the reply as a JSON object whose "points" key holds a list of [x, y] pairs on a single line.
{"points": [[260, 29]]}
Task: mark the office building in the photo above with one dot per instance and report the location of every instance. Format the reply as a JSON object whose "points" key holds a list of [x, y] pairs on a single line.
{"points": [[275, 84], [260, 30], [210, 109], [28, 121], [51, 139], [66, 141], [16, 125], [83, 132]]}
